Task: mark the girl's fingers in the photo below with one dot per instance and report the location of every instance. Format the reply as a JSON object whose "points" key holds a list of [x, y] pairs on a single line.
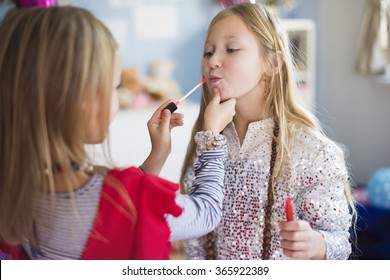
{"points": [[157, 113], [165, 104], [177, 116], [156, 116], [298, 225], [176, 120], [294, 245], [297, 255]]}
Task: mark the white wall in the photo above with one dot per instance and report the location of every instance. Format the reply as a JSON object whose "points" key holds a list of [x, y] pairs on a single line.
{"points": [[355, 108]]}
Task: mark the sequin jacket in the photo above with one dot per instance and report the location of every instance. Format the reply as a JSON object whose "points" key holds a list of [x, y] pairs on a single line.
{"points": [[314, 176]]}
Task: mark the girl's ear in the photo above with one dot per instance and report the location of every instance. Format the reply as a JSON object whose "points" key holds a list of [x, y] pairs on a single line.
{"points": [[277, 63]]}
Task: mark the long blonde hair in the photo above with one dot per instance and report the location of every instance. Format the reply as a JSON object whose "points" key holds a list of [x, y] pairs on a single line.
{"points": [[280, 101], [52, 61]]}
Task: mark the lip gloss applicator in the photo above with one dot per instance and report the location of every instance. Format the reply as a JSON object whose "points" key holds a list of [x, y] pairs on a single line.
{"points": [[173, 105]]}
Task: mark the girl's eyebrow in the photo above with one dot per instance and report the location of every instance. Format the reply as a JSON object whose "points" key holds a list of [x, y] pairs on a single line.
{"points": [[227, 37]]}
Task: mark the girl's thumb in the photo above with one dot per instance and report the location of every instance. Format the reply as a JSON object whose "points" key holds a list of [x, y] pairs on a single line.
{"points": [[165, 118]]}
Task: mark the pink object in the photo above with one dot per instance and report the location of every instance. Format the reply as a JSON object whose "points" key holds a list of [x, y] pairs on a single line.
{"points": [[173, 105], [141, 99], [228, 3], [191, 91], [36, 3], [289, 209]]}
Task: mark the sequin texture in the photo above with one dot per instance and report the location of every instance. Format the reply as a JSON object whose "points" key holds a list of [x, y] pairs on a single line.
{"points": [[314, 176]]}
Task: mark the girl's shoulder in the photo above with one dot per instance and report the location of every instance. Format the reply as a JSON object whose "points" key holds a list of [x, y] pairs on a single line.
{"points": [[313, 141], [135, 177]]}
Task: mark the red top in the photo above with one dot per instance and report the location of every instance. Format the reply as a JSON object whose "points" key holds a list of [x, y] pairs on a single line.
{"points": [[114, 234]]}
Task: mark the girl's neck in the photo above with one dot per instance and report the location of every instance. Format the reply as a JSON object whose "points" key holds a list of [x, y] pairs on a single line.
{"points": [[248, 110], [241, 126]]}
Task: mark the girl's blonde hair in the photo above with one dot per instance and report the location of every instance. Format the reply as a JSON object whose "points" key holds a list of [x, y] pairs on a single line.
{"points": [[53, 62], [280, 101]]}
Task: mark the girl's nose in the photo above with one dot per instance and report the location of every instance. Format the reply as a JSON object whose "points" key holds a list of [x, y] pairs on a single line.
{"points": [[214, 62]]}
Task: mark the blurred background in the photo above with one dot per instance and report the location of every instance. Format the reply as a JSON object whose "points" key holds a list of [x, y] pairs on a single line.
{"points": [[344, 45]]}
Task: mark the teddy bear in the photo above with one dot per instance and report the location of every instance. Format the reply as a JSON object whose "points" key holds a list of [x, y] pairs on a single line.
{"points": [[131, 93], [160, 83]]}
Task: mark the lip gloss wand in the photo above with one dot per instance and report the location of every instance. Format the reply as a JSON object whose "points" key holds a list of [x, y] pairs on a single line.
{"points": [[289, 209], [173, 105]]}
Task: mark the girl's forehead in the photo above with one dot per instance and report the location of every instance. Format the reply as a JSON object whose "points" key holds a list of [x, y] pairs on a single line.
{"points": [[231, 24], [227, 20], [228, 28]]}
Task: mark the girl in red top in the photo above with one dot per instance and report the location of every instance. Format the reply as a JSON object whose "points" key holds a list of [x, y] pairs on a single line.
{"points": [[58, 77]]}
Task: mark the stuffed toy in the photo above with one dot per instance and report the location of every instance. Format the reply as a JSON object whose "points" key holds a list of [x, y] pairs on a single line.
{"points": [[137, 92], [131, 93], [160, 83]]}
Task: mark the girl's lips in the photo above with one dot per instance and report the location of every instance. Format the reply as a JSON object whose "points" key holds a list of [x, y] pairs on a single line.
{"points": [[214, 80]]}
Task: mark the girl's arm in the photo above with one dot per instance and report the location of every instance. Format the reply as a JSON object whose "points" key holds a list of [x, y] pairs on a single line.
{"points": [[323, 231], [202, 208]]}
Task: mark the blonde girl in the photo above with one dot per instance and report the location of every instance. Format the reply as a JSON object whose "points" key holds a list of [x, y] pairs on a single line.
{"points": [[276, 150]]}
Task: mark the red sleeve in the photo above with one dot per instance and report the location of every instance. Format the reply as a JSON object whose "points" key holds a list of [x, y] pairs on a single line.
{"points": [[152, 232], [116, 236]]}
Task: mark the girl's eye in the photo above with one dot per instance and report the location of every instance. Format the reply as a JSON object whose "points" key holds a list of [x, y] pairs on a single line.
{"points": [[231, 50], [208, 54]]}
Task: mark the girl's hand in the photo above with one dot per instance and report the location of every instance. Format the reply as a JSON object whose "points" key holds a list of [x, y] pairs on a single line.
{"points": [[159, 127], [300, 241], [217, 115]]}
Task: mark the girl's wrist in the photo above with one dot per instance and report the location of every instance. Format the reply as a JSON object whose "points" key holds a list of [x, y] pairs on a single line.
{"points": [[154, 163], [159, 155], [213, 126], [208, 140]]}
